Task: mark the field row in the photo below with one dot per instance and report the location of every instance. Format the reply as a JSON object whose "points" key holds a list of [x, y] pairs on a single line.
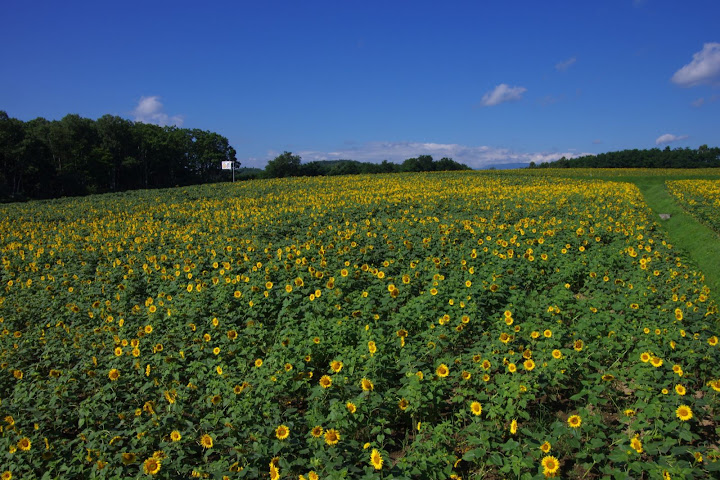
{"points": [[701, 198]]}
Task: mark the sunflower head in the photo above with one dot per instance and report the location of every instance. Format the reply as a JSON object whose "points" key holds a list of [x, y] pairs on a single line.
{"points": [[684, 413], [325, 381], [574, 421], [282, 432], [151, 466], [550, 466], [332, 437], [206, 441], [376, 459]]}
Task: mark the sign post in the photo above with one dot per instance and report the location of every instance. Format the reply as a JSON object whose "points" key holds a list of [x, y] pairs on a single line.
{"points": [[229, 166]]}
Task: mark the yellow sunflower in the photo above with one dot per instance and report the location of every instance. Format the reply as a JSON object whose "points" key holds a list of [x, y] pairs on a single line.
{"points": [[376, 459], [336, 366], [282, 432], [367, 385], [550, 466], [574, 421], [24, 444], [476, 408], [206, 441], [684, 413], [332, 437], [151, 466], [442, 370]]}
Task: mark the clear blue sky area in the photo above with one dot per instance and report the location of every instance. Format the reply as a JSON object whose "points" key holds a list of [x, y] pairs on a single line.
{"points": [[485, 83]]}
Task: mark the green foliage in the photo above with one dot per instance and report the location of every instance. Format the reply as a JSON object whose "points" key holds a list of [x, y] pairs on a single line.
{"points": [[77, 156], [219, 311], [702, 157], [288, 165], [284, 165]]}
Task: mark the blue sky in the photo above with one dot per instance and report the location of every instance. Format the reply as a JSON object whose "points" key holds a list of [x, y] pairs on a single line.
{"points": [[482, 82]]}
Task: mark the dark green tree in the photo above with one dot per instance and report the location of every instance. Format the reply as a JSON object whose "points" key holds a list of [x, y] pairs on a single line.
{"points": [[284, 165]]}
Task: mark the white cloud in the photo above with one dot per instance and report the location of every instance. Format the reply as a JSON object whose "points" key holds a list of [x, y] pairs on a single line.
{"points": [[151, 110], [502, 93], [396, 152], [704, 68], [562, 66], [669, 138]]}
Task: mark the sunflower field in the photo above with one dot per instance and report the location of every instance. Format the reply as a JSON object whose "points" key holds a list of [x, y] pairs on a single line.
{"points": [[700, 198], [441, 325]]}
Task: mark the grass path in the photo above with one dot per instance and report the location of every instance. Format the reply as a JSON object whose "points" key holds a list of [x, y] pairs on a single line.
{"points": [[695, 242]]}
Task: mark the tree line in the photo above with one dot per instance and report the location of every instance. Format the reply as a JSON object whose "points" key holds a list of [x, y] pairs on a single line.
{"points": [[78, 156], [702, 157], [289, 165]]}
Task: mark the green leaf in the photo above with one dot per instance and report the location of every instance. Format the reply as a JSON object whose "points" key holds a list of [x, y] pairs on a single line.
{"points": [[618, 456]]}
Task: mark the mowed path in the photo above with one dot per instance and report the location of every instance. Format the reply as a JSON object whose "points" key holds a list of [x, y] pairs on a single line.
{"points": [[693, 240]]}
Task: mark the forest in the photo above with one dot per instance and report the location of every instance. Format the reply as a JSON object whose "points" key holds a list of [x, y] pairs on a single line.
{"points": [[702, 157], [73, 156]]}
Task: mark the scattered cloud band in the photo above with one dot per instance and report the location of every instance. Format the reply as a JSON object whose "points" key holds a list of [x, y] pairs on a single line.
{"points": [[477, 157]]}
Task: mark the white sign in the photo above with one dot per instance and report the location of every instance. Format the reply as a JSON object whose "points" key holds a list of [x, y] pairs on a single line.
{"points": [[227, 165]]}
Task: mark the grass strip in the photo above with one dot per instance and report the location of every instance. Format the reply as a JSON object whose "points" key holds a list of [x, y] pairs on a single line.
{"points": [[695, 242]]}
